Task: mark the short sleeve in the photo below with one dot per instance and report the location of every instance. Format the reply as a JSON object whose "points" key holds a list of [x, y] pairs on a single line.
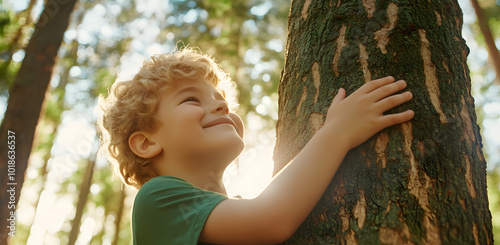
{"points": [[169, 210]]}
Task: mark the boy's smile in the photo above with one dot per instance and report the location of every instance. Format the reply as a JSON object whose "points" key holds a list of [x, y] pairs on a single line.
{"points": [[221, 121]]}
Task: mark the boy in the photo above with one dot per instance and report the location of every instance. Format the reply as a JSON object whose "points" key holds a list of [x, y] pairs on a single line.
{"points": [[171, 133]]}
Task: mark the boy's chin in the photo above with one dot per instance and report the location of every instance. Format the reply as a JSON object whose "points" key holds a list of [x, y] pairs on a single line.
{"points": [[226, 138], [230, 148], [234, 144]]}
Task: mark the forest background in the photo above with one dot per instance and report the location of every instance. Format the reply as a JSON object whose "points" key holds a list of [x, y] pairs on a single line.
{"points": [[70, 196]]}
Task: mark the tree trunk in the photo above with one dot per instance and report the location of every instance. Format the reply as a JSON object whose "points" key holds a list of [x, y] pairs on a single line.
{"points": [[119, 215], [24, 104], [82, 198], [484, 26], [421, 182], [54, 121]]}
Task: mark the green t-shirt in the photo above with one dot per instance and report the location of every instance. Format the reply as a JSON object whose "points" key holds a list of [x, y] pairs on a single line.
{"points": [[170, 210]]}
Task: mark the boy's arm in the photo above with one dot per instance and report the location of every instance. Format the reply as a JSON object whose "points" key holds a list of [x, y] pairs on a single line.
{"points": [[274, 215]]}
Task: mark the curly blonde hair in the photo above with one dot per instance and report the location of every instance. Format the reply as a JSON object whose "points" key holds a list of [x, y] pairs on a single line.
{"points": [[132, 106]]}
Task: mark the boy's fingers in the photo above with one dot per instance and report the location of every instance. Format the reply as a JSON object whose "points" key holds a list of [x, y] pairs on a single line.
{"points": [[339, 97], [393, 101], [387, 90], [393, 119], [373, 85]]}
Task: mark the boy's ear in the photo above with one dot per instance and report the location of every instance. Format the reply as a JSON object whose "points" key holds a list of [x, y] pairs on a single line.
{"points": [[143, 146]]}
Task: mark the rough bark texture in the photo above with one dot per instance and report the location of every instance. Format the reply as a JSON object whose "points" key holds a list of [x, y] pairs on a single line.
{"points": [[25, 102], [422, 182]]}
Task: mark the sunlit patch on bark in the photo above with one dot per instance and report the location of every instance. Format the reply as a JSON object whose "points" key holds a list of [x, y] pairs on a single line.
{"points": [[341, 43], [474, 233], [446, 67], [363, 57], [438, 18], [316, 80], [380, 147], [369, 6], [419, 189], [487, 236], [462, 203], [316, 121], [388, 208], [479, 152], [382, 35], [350, 239], [302, 98], [471, 141], [305, 8], [360, 209], [389, 235], [468, 177], [467, 124], [345, 219], [431, 80]]}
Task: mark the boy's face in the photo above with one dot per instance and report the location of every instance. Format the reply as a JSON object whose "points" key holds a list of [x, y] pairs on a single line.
{"points": [[196, 123]]}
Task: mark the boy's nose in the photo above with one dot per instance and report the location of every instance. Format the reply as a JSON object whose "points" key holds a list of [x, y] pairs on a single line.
{"points": [[221, 106]]}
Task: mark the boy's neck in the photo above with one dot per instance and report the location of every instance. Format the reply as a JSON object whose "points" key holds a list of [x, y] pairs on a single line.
{"points": [[209, 182], [206, 180], [205, 174]]}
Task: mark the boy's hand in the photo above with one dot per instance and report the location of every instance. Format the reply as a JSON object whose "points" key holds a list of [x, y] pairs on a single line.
{"points": [[360, 116]]}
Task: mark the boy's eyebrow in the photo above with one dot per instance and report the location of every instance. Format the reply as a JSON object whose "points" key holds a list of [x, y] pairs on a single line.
{"points": [[194, 89], [186, 90]]}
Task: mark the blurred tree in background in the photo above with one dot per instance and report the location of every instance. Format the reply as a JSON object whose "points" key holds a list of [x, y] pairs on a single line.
{"points": [[107, 40], [25, 102], [487, 35]]}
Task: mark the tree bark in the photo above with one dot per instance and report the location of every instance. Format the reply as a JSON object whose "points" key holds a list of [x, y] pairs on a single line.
{"points": [[24, 105], [421, 182]]}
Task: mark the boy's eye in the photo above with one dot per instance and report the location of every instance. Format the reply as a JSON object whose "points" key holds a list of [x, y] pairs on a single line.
{"points": [[191, 98]]}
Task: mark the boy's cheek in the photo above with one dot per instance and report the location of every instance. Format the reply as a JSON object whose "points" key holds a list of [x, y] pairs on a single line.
{"points": [[189, 112]]}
